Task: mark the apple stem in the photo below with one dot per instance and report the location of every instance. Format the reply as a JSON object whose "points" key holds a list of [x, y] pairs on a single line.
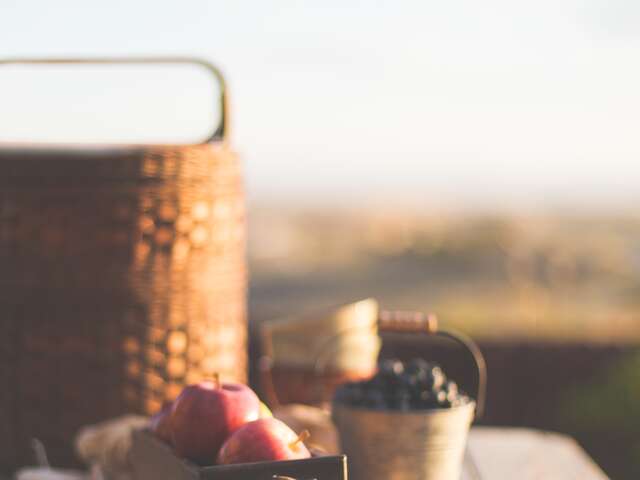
{"points": [[216, 379], [301, 438]]}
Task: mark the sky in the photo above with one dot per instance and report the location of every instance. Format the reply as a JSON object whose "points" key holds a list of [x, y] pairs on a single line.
{"points": [[458, 104]]}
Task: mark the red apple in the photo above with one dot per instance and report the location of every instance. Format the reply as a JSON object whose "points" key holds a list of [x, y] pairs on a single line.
{"points": [[267, 439], [160, 423], [205, 414]]}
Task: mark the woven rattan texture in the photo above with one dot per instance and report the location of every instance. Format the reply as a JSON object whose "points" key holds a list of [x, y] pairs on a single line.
{"points": [[122, 277]]}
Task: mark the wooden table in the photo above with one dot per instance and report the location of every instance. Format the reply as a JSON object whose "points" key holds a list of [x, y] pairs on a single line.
{"points": [[523, 454]]}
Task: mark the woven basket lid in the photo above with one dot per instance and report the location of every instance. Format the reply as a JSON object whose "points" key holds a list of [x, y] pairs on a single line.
{"points": [[346, 335], [56, 165]]}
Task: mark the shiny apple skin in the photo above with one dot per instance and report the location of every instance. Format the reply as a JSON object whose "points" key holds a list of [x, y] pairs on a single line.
{"points": [[205, 414], [267, 439]]}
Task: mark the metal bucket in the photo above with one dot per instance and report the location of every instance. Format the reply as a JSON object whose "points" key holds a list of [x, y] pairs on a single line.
{"points": [[409, 445], [386, 445]]}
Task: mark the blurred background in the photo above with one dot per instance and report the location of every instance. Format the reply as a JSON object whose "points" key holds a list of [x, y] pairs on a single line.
{"points": [[474, 159]]}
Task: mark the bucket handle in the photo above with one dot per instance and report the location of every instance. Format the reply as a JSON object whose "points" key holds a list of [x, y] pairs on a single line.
{"points": [[427, 324], [388, 322], [219, 134]]}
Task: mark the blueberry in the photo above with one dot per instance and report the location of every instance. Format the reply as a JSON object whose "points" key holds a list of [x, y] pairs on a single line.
{"points": [[418, 365], [452, 391], [436, 377], [390, 368], [379, 382], [459, 401], [375, 399], [418, 402], [402, 401], [416, 385], [407, 378], [425, 396], [344, 394], [429, 404], [451, 387]]}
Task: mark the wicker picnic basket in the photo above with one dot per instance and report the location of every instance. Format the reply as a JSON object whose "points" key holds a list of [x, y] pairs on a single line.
{"points": [[123, 277]]}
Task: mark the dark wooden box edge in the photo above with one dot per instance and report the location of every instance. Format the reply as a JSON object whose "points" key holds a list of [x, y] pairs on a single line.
{"points": [[153, 460]]}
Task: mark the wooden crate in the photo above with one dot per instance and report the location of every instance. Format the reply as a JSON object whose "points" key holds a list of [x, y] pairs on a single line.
{"points": [[152, 459]]}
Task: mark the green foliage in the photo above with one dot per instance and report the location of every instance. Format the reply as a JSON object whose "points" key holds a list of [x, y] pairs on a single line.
{"points": [[609, 406], [611, 401]]}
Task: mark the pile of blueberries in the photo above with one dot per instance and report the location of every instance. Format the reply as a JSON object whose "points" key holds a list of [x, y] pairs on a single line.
{"points": [[398, 386]]}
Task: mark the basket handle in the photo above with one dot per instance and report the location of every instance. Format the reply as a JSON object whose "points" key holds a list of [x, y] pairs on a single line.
{"points": [[388, 322], [219, 134]]}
